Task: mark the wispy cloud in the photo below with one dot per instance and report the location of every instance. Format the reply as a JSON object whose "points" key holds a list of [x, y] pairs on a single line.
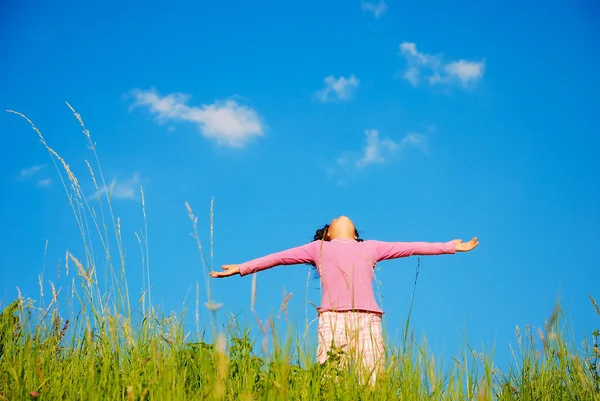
{"points": [[435, 71], [30, 171], [128, 188], [377, 150], [227, 122], [378, 9], [46, 182], [338, 89]]}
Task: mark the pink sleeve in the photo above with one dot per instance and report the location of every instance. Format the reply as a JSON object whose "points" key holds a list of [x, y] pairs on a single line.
{"points": [[394, 250], [299, 255]]}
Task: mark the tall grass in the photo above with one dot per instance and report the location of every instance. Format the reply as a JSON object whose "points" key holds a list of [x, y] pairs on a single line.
{"points": [[93, 342]]}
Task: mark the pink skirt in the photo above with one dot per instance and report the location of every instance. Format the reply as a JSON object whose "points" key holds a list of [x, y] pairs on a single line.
{"points": [[357, 334]]}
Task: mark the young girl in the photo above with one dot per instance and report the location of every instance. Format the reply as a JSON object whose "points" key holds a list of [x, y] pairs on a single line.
{"points": [[349, 317]]}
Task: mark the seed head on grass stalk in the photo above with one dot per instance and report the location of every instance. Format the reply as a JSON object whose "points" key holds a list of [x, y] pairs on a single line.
{"points": [[143, 297], [210, 304], [595, 304], [146, 246], [79, 203], [92, 147], [412, 297], [283, 307]]}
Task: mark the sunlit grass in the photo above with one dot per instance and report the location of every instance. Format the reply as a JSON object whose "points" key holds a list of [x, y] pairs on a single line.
{"points": [[94, 342]]}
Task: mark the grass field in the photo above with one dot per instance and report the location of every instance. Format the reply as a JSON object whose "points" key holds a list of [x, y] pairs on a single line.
{"points": [[108, 358], [91, 344]]}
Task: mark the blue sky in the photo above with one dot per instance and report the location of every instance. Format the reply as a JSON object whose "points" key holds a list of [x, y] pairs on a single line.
{"points": [[422, 121]]}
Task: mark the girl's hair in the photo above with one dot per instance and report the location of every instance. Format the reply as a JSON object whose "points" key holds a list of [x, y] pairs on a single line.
{"points": [[321, 234]]}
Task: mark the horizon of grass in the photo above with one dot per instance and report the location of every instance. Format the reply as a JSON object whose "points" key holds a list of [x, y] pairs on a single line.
{"points": [[109, 349]]}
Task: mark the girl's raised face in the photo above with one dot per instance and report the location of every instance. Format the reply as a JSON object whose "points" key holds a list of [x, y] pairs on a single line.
{"points": [[341, 227]]}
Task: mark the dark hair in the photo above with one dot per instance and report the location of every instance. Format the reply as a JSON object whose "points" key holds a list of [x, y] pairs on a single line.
{"points": [[321, 234]]}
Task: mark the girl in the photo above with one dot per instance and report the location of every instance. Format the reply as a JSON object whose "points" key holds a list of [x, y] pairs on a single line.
{"points": [[349, 317]]}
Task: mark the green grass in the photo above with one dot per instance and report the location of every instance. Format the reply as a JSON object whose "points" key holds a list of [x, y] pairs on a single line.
{"points": [[53, 359], [94, 342]]}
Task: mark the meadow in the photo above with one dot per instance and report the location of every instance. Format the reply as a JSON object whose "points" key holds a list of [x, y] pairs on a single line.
{"points": [[96, 342]]}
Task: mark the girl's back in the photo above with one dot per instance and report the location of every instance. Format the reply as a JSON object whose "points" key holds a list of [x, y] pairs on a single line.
{"points": [[346, 271]]}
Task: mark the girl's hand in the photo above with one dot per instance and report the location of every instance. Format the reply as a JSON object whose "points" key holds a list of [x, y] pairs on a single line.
{"points": [[229, 270], [460, 246]]}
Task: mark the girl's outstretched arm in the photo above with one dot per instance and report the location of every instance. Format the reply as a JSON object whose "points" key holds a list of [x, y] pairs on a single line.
{"points": [[393, 250], [298, 255]]}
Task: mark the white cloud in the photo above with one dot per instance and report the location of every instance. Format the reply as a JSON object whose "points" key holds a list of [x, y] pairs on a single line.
{"points": [[415, 140], [227, 122], [341, 88], [30, 171], [466, 71], [46, 182], [122, 189], [377, 150], [412, 76], [378, 9], [436, 71]]}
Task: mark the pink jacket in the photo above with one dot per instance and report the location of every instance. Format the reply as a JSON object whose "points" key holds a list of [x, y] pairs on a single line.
{"points": [[346, 267]]}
